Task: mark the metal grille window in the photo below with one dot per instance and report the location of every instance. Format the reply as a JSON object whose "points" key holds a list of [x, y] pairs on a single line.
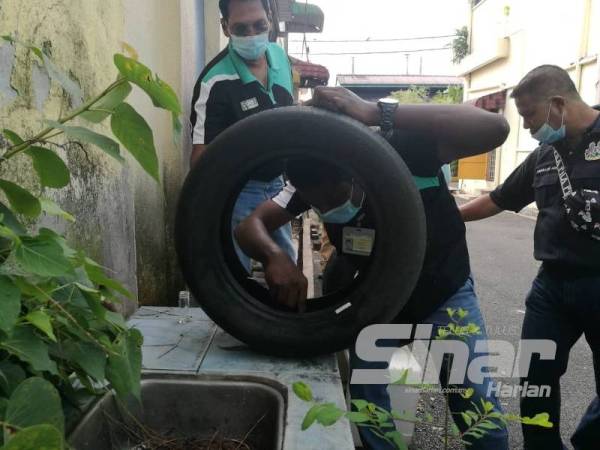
{"points": [[491, 166]]}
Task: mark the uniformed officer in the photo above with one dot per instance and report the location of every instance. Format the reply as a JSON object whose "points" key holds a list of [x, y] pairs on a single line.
{"points": [[426, 136], [249, 76], [563, 177]]}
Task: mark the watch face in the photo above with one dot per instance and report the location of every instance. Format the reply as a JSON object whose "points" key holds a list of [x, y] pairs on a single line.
{"points": [[389, 101]]}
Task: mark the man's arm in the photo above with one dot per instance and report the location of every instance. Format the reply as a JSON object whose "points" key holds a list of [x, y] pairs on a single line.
{"points": [[460, 130], [479, 208], [197, 151], [512, 195], [287, 283]]}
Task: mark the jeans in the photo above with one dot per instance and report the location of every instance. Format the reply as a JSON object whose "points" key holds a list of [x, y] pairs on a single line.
{"points": [[561, 308], [252, 195], [466, 299]]}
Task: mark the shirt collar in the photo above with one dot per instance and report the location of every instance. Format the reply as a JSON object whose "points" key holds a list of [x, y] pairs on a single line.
{"points": [[244, 72], [595, 127]]}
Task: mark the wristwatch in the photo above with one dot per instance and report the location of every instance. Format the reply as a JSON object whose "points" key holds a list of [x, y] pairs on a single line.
{"points": [[388, 107]]}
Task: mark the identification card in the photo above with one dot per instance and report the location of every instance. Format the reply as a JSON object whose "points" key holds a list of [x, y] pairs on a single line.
{"points": [[249, 104], [358, 241]]}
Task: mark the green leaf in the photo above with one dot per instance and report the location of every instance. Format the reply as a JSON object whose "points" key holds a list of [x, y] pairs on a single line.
{"points": [[89, 357], [161, 94], [35, 401], [466, 418], [13, 137], [107, 104], [11, 375], [450, 312], [329, 414], [302, 391], [68, 85], [360, 404], [468, 393], [104, 143], [50, 168], [136, 136], [357, 417], [10, 304], [310, 417], [177, 130], [43, 256], [454, 430], [398, 440], [28, 347], [125, 367], [51, 208], [489, 425], [462, 313], [20, 200], [541, 420], [96, 274], [10, 220], [8, 38], [403, 378], [38, 437], [42, 322]]}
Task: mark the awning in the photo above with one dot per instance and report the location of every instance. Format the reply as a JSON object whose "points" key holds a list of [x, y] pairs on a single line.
{"points": [[311, 75], [306, 18], [490, 102]]}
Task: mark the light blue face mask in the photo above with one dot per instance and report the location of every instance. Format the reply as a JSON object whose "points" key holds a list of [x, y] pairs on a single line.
{"points": [[548, 135], [250, 48], [342, 214]]}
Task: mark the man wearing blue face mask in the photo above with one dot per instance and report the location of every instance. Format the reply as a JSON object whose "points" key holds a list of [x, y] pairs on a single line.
{"points": [[249, 76], [563, 177], [426, 136]]}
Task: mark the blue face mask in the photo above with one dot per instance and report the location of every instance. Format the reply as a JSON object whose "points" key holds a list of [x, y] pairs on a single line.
{"points": [[342, 214], [548, 135], [250, 48]]}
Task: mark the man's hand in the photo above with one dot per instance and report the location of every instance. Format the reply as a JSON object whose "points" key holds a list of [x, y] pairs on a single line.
{"points": [[287, 283], [339, 99]]}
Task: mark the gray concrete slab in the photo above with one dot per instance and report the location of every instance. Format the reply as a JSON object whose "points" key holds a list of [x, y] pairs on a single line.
{"points": [[227, 353], [169, 345]]}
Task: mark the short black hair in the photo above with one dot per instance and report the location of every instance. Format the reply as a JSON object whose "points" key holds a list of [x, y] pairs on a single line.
{"points": [[224, 7], [307, 173], [546, 81]]}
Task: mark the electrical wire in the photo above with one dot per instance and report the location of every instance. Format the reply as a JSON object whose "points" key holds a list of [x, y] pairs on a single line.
{"points": [[391, 52], [377, 40]]}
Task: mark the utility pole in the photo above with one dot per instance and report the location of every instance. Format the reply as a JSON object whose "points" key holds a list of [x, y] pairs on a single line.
{"points": [[421, 66], [353, 65], [407, 61]]}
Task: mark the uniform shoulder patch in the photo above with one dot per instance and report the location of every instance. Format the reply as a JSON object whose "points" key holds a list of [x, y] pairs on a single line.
{"points": [[593, 152]]}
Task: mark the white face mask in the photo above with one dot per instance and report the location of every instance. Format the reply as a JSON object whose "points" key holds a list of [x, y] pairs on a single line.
{"points": [[250, 48]]}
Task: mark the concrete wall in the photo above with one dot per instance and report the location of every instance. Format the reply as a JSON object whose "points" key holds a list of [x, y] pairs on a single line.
{"points": [[124, 218], [561, 32]]}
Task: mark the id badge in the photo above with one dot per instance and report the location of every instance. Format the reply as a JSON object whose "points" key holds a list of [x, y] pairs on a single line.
{"points": [[358, 241]]}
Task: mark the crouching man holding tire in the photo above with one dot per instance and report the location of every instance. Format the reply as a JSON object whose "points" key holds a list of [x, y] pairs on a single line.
{"points": [[426, 137]]}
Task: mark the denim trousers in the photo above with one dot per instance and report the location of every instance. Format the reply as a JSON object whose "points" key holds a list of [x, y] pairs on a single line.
{"points": [[253, 194], [561, 308], [466, 299]]}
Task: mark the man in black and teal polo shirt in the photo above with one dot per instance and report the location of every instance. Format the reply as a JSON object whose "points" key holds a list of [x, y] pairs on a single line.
{"points": [[249, 76]]}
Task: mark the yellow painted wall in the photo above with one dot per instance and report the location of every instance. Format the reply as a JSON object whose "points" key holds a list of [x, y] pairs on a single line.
{"points": [[473, 168]]}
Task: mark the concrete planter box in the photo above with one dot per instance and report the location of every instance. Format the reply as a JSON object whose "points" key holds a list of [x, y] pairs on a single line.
{"points": [[190, 406]]}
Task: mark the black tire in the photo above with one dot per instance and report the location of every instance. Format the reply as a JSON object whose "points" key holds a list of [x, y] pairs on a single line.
{"points": [[203, 234]]}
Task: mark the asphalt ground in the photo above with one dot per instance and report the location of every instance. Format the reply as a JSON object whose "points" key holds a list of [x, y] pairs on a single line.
{"points": [[503, 266]]}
